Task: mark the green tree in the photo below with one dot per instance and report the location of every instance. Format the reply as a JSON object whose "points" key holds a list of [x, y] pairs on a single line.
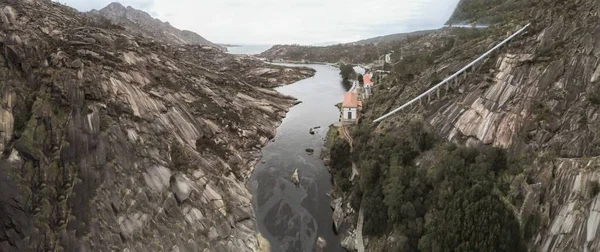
{"points": [[394, 189], [341, 164], [474, 220], [347, 73]]}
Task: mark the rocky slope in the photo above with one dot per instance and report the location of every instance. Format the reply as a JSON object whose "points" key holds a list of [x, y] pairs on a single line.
{"points": [[390, 38], [537, 98], [142, 22], [112, 141]]}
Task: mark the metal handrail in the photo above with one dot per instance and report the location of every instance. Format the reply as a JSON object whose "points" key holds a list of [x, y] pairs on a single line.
{"points": [[451, 76]]}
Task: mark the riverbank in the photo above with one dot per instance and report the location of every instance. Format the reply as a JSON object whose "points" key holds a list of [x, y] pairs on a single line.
{"points": [[292, 217], [344, 214], [263, 244]]}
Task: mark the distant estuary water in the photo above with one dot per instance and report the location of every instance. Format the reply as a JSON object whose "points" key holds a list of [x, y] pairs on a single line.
{"points": [[248, 49], [290, 217]]}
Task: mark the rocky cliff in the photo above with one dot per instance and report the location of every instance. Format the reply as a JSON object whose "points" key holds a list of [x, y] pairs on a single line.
{"points": [[113, 141], [536, 98], [141, 22]]}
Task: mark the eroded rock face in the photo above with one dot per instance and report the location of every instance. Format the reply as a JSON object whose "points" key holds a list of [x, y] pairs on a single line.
{"points": [[573, 216], [141, 22], [483, 115], [111, 141]]}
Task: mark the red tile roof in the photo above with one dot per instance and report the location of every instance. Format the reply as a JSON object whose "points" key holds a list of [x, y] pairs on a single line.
{"points": [[367, 79], [350, 100]]}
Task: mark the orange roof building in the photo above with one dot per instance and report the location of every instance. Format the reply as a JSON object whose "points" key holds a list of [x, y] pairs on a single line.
{"points": [[351, 107], [350, 100], [367, 79]]}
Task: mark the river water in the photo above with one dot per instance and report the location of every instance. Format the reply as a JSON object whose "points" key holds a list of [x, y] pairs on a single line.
{"points": [[290, 217]]}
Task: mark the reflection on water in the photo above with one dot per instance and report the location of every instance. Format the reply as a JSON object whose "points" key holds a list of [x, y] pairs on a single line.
{"points": [[290, 217]]}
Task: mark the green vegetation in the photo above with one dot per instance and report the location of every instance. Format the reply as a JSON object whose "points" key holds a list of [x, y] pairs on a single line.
{"points": [[334, 53], [347, 73], [541, 111], [431, 196], [180, 158], [341, 165], [413, 64], [471, 10], [427, 194], [594, 188], [594, 97], [488, 11]]}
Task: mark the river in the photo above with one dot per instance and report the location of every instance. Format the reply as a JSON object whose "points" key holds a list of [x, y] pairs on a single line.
{"points": [[292, 218]]}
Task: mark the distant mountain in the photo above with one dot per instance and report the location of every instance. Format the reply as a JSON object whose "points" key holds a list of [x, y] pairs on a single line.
{"points": [[141, 22], [230, 45], [364, 51], [390, 38]]}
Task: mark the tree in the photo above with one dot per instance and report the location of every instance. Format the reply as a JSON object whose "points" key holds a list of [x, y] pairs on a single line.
{"points": [[347, 73], [474, 220], [341, 164], [466, 215], [340, 154], [394, 189]]}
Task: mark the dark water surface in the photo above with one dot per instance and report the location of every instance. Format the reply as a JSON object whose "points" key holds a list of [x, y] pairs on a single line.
{"points": [[293, 218]]}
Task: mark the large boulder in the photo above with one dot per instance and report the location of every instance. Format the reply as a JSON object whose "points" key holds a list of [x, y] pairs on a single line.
{"points": [[181, 187]]}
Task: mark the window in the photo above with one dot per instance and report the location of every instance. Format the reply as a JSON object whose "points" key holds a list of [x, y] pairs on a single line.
{"points": [[349, 115]]}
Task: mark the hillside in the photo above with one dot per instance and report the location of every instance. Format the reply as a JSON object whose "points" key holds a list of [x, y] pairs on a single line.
{"points": [[483, 11], [506, 160], [331, 54], [112, 141], [390, 38], [141, 22], [360, 52]]}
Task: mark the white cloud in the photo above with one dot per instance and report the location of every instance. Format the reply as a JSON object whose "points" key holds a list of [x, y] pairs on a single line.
{"points": [[291, 21]]}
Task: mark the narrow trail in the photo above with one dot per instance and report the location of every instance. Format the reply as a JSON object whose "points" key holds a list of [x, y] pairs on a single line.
{"points": [[361, 218], [359, 234], [347, 136]]}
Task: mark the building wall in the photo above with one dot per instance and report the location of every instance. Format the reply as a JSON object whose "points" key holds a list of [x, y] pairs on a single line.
{"points": [[353, 114]]}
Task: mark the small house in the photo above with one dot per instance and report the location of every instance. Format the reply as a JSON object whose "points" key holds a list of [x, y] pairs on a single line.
{"points": [[367, 79], [351, 107], [368, 83]]}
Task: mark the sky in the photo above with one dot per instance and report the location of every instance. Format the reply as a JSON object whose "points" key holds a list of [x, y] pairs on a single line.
{"points": [[306, 22]]}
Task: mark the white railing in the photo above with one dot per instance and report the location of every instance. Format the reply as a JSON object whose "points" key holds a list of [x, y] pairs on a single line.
{"points": [[451, 76]]}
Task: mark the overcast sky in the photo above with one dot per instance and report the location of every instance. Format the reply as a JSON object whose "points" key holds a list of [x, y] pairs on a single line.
{"points": [[290, 21]]}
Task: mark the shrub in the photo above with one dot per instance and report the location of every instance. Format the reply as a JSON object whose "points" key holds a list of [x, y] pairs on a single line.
{"points": [[180, 158], [594, 98], [594, 189]]}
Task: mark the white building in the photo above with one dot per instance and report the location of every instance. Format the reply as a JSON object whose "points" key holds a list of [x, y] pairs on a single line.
{"points": [[351, 107]]}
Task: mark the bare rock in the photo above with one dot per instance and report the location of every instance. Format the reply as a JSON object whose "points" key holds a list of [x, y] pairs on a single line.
{"points": [[295, 178], [181, 187], [96, 108]]}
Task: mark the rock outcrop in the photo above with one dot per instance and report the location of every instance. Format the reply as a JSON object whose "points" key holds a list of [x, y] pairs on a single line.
{"points": [[537, 98], [112, 141], [141, 22]]}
